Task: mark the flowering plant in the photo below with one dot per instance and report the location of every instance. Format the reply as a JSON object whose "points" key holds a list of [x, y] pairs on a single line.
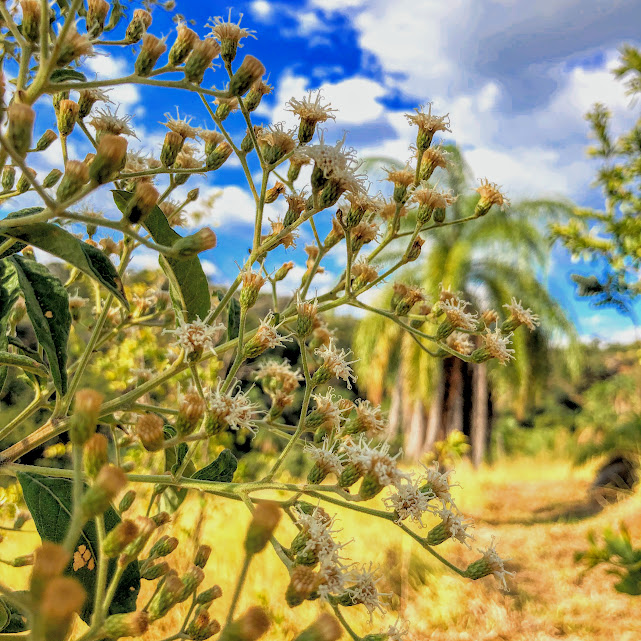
{"points": [[94, 555]]}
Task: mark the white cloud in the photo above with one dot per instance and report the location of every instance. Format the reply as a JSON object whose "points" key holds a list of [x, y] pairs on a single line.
{"points": [[261, 8], [107, 66]]}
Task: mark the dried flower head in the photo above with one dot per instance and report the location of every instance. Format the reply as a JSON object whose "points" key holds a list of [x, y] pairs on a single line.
{"points": [[490, 195], [181, 126], [428, 124], [519, 316], [108, 122]]}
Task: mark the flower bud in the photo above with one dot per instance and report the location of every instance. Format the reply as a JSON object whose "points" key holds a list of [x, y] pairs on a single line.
{"points": [[171, 148], [414, 251], [200, 59], [185, 40], [76, 176], [191, 412], [24, 182], [140, 22], [306, 320], [163, 546], [192, 196], [45, 141], [274, 192], [111, 156], [155, 571], [144, 199], [252, 283], [282, 271], [302, 583], [67, 116], [202, 627], [152, 48], [21, 118], [51, 178], [130, 624], [370, 486], [50, 561], [246, 75], [203, 240], [63, 597], [255, 95], [96, 15], [190, 580], [30, 19], [119, 538], [95, 455], [325, 628], [248, 627], [264, 521], [165, 598], [149, 429], [85, 415], [57, 98], [202, 556], [350, 474], [209, 595], [160, 519], [439, 215], [217, 158], [109, 482], [8, 178], [225, 107], [73, 47], [21, 518], [146, 527]]}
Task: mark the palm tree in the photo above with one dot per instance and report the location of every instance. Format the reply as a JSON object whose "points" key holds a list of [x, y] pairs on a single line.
{"points": [[489, 260]]}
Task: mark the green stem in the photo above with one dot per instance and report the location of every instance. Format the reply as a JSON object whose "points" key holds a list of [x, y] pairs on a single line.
{"points": [[239, 586]]}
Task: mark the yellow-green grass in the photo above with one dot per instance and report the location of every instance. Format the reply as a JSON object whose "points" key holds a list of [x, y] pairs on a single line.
{"points": [[537, 509]]}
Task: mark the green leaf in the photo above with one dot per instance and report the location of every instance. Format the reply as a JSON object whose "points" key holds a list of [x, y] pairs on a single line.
{"points": [[17, 621], [5, 615], [172, 497], [9, 291], [222, 469], [233, 319], [18, 246], [22, 362], [65, 75], [189, 285], [50, 501], [59, 242], [47, 305]]}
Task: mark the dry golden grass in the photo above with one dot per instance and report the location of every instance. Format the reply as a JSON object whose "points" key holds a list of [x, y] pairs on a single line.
{"points": [[537, 510]]}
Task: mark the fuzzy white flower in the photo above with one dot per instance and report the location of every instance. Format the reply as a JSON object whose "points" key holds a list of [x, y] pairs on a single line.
{"points": [[233, 407], [398, 631], [369, 418], [438, 483], [325, 456], [410, 502], [496, 563], [180, 125], [497, 343], [521, 315], [108, 121], [267, 335], [312, 110], [328, 406], [278, 375], [320, 531], [196, 336], [364, 589], [456, 526], [336, 362], [454, 309]]}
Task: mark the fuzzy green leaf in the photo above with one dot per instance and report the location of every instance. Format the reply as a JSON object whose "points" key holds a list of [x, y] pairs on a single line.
{"points": [[221, 469], [189, 285], [50, 502], [47, 304], [60, 243], [22, 362], [66, 75], [9, 292], [17, 621]]}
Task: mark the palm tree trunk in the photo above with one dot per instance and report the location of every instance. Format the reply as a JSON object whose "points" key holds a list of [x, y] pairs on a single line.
{"points": [[415, 435], [479, 414], [435, 416], [395, 410]]}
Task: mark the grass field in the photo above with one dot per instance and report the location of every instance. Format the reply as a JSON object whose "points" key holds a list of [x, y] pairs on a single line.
{"points": [[537, 509]]}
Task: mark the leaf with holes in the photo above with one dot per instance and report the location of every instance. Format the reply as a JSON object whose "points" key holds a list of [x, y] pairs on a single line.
{"points": [[50, 502], [47, 304], [187, 280], [60, 243]]}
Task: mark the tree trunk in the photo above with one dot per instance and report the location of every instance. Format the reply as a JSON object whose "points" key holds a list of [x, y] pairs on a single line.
{"points": [[480, 414], [395, 410], [415, 435], [454, 407], [435, 416]]}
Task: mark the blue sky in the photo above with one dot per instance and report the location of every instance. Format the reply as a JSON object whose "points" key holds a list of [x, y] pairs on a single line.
{"points": [[516, 77]]}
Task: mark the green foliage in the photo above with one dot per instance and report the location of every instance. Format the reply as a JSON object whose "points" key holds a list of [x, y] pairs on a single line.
{"points": [[188, 284], [50, 502], [220, 469], [618, 555], [47, 304]]}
